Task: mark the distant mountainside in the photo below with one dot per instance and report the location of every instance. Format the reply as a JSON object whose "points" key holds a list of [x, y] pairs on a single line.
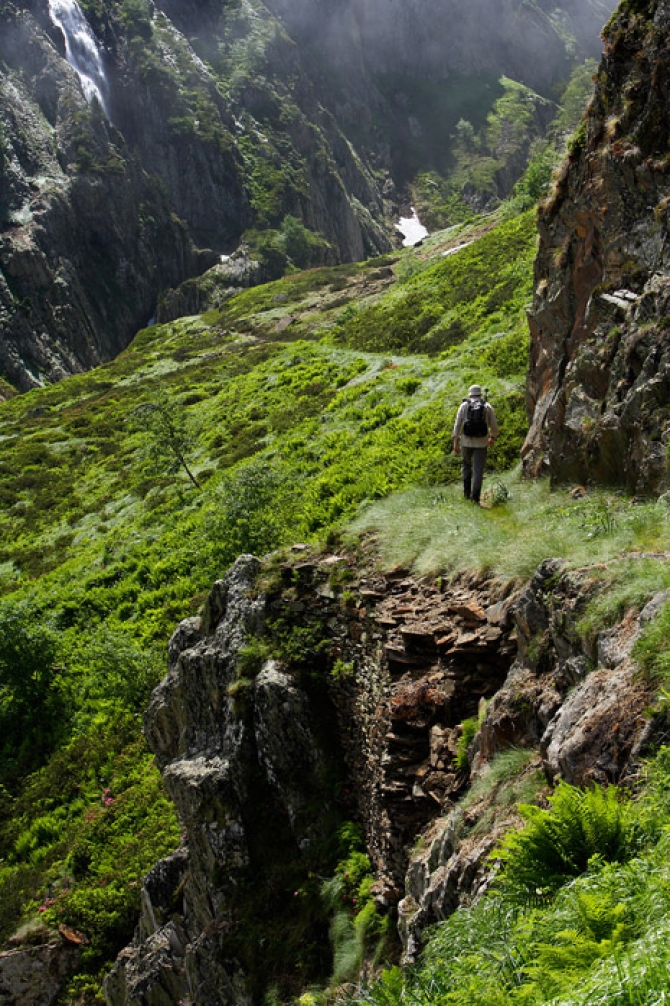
{"points": [[431, 40], [278, 125]]}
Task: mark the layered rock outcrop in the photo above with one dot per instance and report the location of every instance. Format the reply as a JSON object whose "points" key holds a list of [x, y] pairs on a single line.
{"points": [[598, 385], [327, 669], [576, 708]]}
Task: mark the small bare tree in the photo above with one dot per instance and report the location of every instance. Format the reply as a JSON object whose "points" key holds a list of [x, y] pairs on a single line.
{"points": [[168, 439]]}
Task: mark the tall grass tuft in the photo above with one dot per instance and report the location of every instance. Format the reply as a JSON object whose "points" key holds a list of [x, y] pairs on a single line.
{"points": [[433, 529]]}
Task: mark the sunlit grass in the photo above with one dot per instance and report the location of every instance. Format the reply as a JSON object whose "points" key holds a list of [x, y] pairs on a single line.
{"points": [[601, 939], [435, 530]]}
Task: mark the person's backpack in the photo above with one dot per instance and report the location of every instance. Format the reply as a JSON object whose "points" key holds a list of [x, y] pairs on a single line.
{"points": [[475, 424]]}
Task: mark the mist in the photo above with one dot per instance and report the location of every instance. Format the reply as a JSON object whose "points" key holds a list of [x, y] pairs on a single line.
{"points": [[434, 38]]}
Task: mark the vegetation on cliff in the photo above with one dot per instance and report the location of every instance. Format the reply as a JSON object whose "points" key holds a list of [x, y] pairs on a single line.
{"points": [[300, 405], [579, 915]]}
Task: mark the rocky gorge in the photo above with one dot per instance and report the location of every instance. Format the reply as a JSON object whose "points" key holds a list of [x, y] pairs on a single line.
{"points": [[388, 670]]}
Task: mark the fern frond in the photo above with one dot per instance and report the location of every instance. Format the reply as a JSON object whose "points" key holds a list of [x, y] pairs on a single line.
{"points": [[582, 828]]}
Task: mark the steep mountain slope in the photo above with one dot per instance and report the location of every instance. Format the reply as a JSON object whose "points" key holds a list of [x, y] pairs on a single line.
{"points": [[292, 425], [243, 124], [89, 201], [598, 387], [346, 728], [88, 238], [427, 40], [299, 402]]}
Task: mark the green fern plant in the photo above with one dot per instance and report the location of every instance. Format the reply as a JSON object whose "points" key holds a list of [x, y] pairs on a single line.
{"points": [[582, 825], [468, 730]]}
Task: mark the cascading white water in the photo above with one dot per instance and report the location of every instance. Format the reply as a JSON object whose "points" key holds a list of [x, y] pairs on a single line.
{"points": [[81, 49]]}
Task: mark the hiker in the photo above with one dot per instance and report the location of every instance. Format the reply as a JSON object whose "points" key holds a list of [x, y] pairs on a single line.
{"points": [[475, 430]]}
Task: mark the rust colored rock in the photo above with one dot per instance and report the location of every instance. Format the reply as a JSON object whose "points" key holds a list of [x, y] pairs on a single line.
{"points": [[468, 612], [417, 632], [420, 700], [73, 936], [468, 641], [599, 375]]}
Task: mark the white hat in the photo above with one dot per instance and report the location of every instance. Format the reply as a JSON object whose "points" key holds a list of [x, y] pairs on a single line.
{"points": [[475, 391]]}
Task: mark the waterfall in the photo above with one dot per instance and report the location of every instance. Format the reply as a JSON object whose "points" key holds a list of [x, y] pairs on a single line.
{"points": [[81, 49]]}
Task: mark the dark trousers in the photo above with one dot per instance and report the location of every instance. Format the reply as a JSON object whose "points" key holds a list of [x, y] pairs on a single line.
{"points": [[473, 460]]}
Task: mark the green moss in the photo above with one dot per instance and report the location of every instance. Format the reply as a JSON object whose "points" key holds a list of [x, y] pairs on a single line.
{"points": [[577, 141]]}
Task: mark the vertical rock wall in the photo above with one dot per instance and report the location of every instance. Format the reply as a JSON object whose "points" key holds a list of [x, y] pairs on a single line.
{"points": [[372, 679], [598, 388]]}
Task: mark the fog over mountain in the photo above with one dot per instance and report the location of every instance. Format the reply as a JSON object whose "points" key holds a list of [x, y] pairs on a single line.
{"points": [[432, 38]]}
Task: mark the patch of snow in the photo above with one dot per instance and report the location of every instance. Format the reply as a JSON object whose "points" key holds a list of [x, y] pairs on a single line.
{"points": [[412, 229], [452, 251]]}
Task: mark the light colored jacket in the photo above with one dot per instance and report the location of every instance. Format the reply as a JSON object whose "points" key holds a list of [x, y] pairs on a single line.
{"points": [[462, 415]]}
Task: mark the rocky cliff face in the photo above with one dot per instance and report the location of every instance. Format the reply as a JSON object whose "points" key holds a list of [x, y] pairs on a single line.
{"points": [[431, 40], [367, 683], [88, 237], [598, 384], [404, 73], [220, 122], [101, 211]]}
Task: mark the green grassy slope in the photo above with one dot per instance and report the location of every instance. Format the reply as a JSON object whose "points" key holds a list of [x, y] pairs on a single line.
{"points": [[351, 423], [597, 935], [296, 414], [301, 402]]}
